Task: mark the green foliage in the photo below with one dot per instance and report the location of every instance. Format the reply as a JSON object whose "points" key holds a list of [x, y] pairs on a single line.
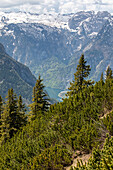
{"points": [[55, 133], [108, 122], [40, 101], [82, 72], [54, 157], [12, 116], [21, 110], [109, 73], [1, 108], [100, 159], [30, 147]]}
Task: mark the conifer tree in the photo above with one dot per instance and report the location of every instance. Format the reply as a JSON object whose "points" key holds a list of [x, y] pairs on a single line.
{"points": [[8, 117], [108, 89], [109, 73], [22, 118], [40, 101], [101, 80], [12, 117], [1, 106], [79, 82], [1, 109]]}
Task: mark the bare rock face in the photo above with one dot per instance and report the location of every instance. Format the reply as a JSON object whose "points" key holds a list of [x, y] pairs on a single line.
{"points": [[100, 55]]}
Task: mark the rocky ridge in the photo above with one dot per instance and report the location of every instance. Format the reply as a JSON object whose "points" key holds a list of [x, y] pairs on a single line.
{"points": [[51, 45]]}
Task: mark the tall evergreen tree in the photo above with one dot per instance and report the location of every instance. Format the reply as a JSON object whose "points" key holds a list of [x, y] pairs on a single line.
{"points": [[40, 100], [109, 73], [8, 116], [101, 80], [12, 117], [1, 109], [1, 106], [22, 118], [108, 89], [79, 82]]}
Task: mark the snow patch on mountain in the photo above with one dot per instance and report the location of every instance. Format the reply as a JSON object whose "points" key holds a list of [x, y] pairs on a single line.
{"points": [[93, 34], [58, 20], [39, 39], [97, 67], [87, 47]]}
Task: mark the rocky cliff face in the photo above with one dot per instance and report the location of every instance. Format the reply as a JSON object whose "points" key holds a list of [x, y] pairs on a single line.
{"points": [[100, 55]]}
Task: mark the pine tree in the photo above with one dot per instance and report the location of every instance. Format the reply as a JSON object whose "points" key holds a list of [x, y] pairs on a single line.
{"points": [[1, 109], [40, 100], [109, 73], [101, 82], [79, 82], [102, 78], [8, 117], [1, 106], [12, 117], [22, 118]]}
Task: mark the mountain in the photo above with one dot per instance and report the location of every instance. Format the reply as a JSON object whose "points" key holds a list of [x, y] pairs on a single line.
{"points": [[15, 75], [52, 45], [100, 55]]}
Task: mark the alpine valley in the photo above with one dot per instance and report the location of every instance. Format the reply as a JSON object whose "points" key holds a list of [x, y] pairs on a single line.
{"points": [[51, 45]]}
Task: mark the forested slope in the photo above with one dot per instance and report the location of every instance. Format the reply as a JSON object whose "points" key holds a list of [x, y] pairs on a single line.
{"points": [[53, 134]]}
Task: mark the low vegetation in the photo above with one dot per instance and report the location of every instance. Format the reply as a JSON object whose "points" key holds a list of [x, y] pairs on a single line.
{"points": [[49, 136]]}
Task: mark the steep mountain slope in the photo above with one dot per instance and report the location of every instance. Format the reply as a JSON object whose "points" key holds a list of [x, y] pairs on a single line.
{"points": [[90, 21], [51, 45], [42, 48], [15, 75], [100, 55]]}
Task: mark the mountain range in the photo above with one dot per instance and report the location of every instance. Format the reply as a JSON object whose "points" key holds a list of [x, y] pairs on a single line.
{"points": [[52, 45]]}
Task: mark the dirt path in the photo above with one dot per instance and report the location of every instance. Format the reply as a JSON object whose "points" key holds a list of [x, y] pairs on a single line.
{"points": [[83, 157], [107, 112]]}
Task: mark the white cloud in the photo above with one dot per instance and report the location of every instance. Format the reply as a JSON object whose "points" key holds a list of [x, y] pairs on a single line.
{"points": [[59, 6]]}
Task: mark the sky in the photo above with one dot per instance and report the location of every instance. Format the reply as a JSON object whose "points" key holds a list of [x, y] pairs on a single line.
{"points": [[57, 6]]}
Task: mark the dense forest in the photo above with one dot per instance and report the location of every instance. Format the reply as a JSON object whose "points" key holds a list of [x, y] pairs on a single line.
{"points": [[47, 136]]}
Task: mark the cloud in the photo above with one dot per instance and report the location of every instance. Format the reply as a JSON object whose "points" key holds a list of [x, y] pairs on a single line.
{"points": [[59, 6]]}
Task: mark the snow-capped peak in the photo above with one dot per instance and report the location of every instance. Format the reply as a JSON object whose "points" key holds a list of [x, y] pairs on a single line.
{"points": [[56, 20]]}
